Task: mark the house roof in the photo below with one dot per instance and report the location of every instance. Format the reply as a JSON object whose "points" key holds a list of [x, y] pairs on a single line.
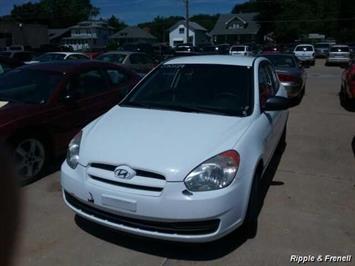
{"points": [[92, 24], [193, 25], [55, 33], [132, 32], [248, 19]]}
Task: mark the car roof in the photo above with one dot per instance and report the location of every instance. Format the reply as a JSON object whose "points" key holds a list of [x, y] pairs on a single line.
{"points": [[214, 60], [67, 66], [64, 53], [305, 44], [122, 52], [340, 45]]}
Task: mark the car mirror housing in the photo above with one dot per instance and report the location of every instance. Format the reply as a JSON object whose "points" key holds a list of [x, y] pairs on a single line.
{"points": [[277, 103]]}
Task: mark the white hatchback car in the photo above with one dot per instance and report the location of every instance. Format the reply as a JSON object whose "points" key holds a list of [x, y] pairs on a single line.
{"points": [[181, 157], [241, 50], [305, 53]]}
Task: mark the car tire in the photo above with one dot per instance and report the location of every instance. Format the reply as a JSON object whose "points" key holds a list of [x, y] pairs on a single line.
{"points": [[31, 155], [251, 218]]}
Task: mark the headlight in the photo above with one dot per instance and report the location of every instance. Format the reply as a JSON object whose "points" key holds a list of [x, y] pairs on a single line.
{"points": [[215, 173], [73, 151]]}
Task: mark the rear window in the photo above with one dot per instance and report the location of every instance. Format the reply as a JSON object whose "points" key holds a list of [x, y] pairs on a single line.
{"points": [[238, 49], [304, 48], [281, 61], [339, 49]]}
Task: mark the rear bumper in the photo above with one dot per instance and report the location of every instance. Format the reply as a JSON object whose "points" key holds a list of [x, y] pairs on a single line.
{"points": [[332, 60], [170, 216]]}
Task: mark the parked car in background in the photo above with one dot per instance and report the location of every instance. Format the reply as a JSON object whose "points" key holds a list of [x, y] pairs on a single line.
{"points": [[339, 55], [197, 131], [185, 49], [223, 49], [58, 56], [352, 50], [322, 49], [347, 92], [22, 56], [269, 49], [42, 106], [93, 53], [305, 53], [291, 75], [241, 50], [139, 62], [7, 64]]}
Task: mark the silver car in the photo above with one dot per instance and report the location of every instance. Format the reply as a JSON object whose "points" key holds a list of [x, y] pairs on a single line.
{"points": [[339, 55]]}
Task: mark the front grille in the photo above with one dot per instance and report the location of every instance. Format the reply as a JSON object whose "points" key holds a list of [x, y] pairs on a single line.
{"points": [[143, 182], [112, 168], [157, 189], [181, 228]]}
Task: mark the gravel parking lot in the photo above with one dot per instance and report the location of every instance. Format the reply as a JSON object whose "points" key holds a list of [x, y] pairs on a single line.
{"points": [[308, 208]]}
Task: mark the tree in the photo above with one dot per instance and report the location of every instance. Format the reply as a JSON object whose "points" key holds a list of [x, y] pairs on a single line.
{"points": [[55, 13], [160, 25], [116, 23], [206, 21]]}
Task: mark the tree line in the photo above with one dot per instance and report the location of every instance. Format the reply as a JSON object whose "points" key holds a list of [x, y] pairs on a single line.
{"points": [[288, 20]]}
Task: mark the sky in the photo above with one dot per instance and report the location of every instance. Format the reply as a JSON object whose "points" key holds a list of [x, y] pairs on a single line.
{"points": [[136, 11]]}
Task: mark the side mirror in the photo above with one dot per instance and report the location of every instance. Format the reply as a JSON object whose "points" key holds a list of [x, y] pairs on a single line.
{"points": [[277, 103]]}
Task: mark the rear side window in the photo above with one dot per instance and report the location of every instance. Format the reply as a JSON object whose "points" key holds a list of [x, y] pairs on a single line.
{"points": [[116, 76], [88, 83]]}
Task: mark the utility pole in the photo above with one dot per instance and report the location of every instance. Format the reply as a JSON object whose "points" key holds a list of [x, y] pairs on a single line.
{"points": [[187, 20]]}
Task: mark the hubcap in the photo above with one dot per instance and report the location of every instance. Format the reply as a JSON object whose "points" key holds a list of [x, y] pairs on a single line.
{"points": [[30, 156]]}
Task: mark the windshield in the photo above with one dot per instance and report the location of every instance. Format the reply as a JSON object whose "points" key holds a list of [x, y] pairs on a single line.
{"points": [[281, 61], [339, 49], [50, 57], [217, 89], [238, 49], [34, 86], [112, 58], [305, 48]]}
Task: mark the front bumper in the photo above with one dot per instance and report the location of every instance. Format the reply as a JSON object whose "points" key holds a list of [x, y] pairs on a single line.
{"points": [[172, 215]]}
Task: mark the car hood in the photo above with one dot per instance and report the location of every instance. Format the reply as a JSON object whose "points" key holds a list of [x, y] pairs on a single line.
{"points": [[165, 142]]}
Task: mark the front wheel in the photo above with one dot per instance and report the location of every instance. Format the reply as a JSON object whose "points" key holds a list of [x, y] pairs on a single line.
{"points": [[30, 158]]}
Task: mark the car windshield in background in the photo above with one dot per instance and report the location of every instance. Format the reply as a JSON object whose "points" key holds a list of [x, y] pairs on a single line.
{"points": [[339, 49], [216, 89], [112, 58], [50, 57], [305, 48], [281, 61], [34, 86], [238, 49]]}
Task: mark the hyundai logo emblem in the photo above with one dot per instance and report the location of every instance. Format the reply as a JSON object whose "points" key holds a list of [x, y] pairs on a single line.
{"points": [[124, 172]]}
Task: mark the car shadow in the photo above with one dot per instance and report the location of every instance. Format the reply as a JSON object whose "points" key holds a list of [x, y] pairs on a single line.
{"points": [[185, 251], [353, 145]]}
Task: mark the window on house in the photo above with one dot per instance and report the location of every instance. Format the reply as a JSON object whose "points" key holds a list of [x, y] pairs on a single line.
{"points": [[181, 30]]}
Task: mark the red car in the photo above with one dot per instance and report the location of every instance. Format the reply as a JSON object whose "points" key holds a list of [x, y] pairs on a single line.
{"points": [[347, 92], [43, 106]]}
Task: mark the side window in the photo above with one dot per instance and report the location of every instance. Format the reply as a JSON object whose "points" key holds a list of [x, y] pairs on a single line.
{"points": [[265, 85], [136, 59], [87, 84], [116, 76]]}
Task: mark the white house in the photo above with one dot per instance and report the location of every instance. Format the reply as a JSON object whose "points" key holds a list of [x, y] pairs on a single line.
{"points": [[89, 34], [197, 34]]}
